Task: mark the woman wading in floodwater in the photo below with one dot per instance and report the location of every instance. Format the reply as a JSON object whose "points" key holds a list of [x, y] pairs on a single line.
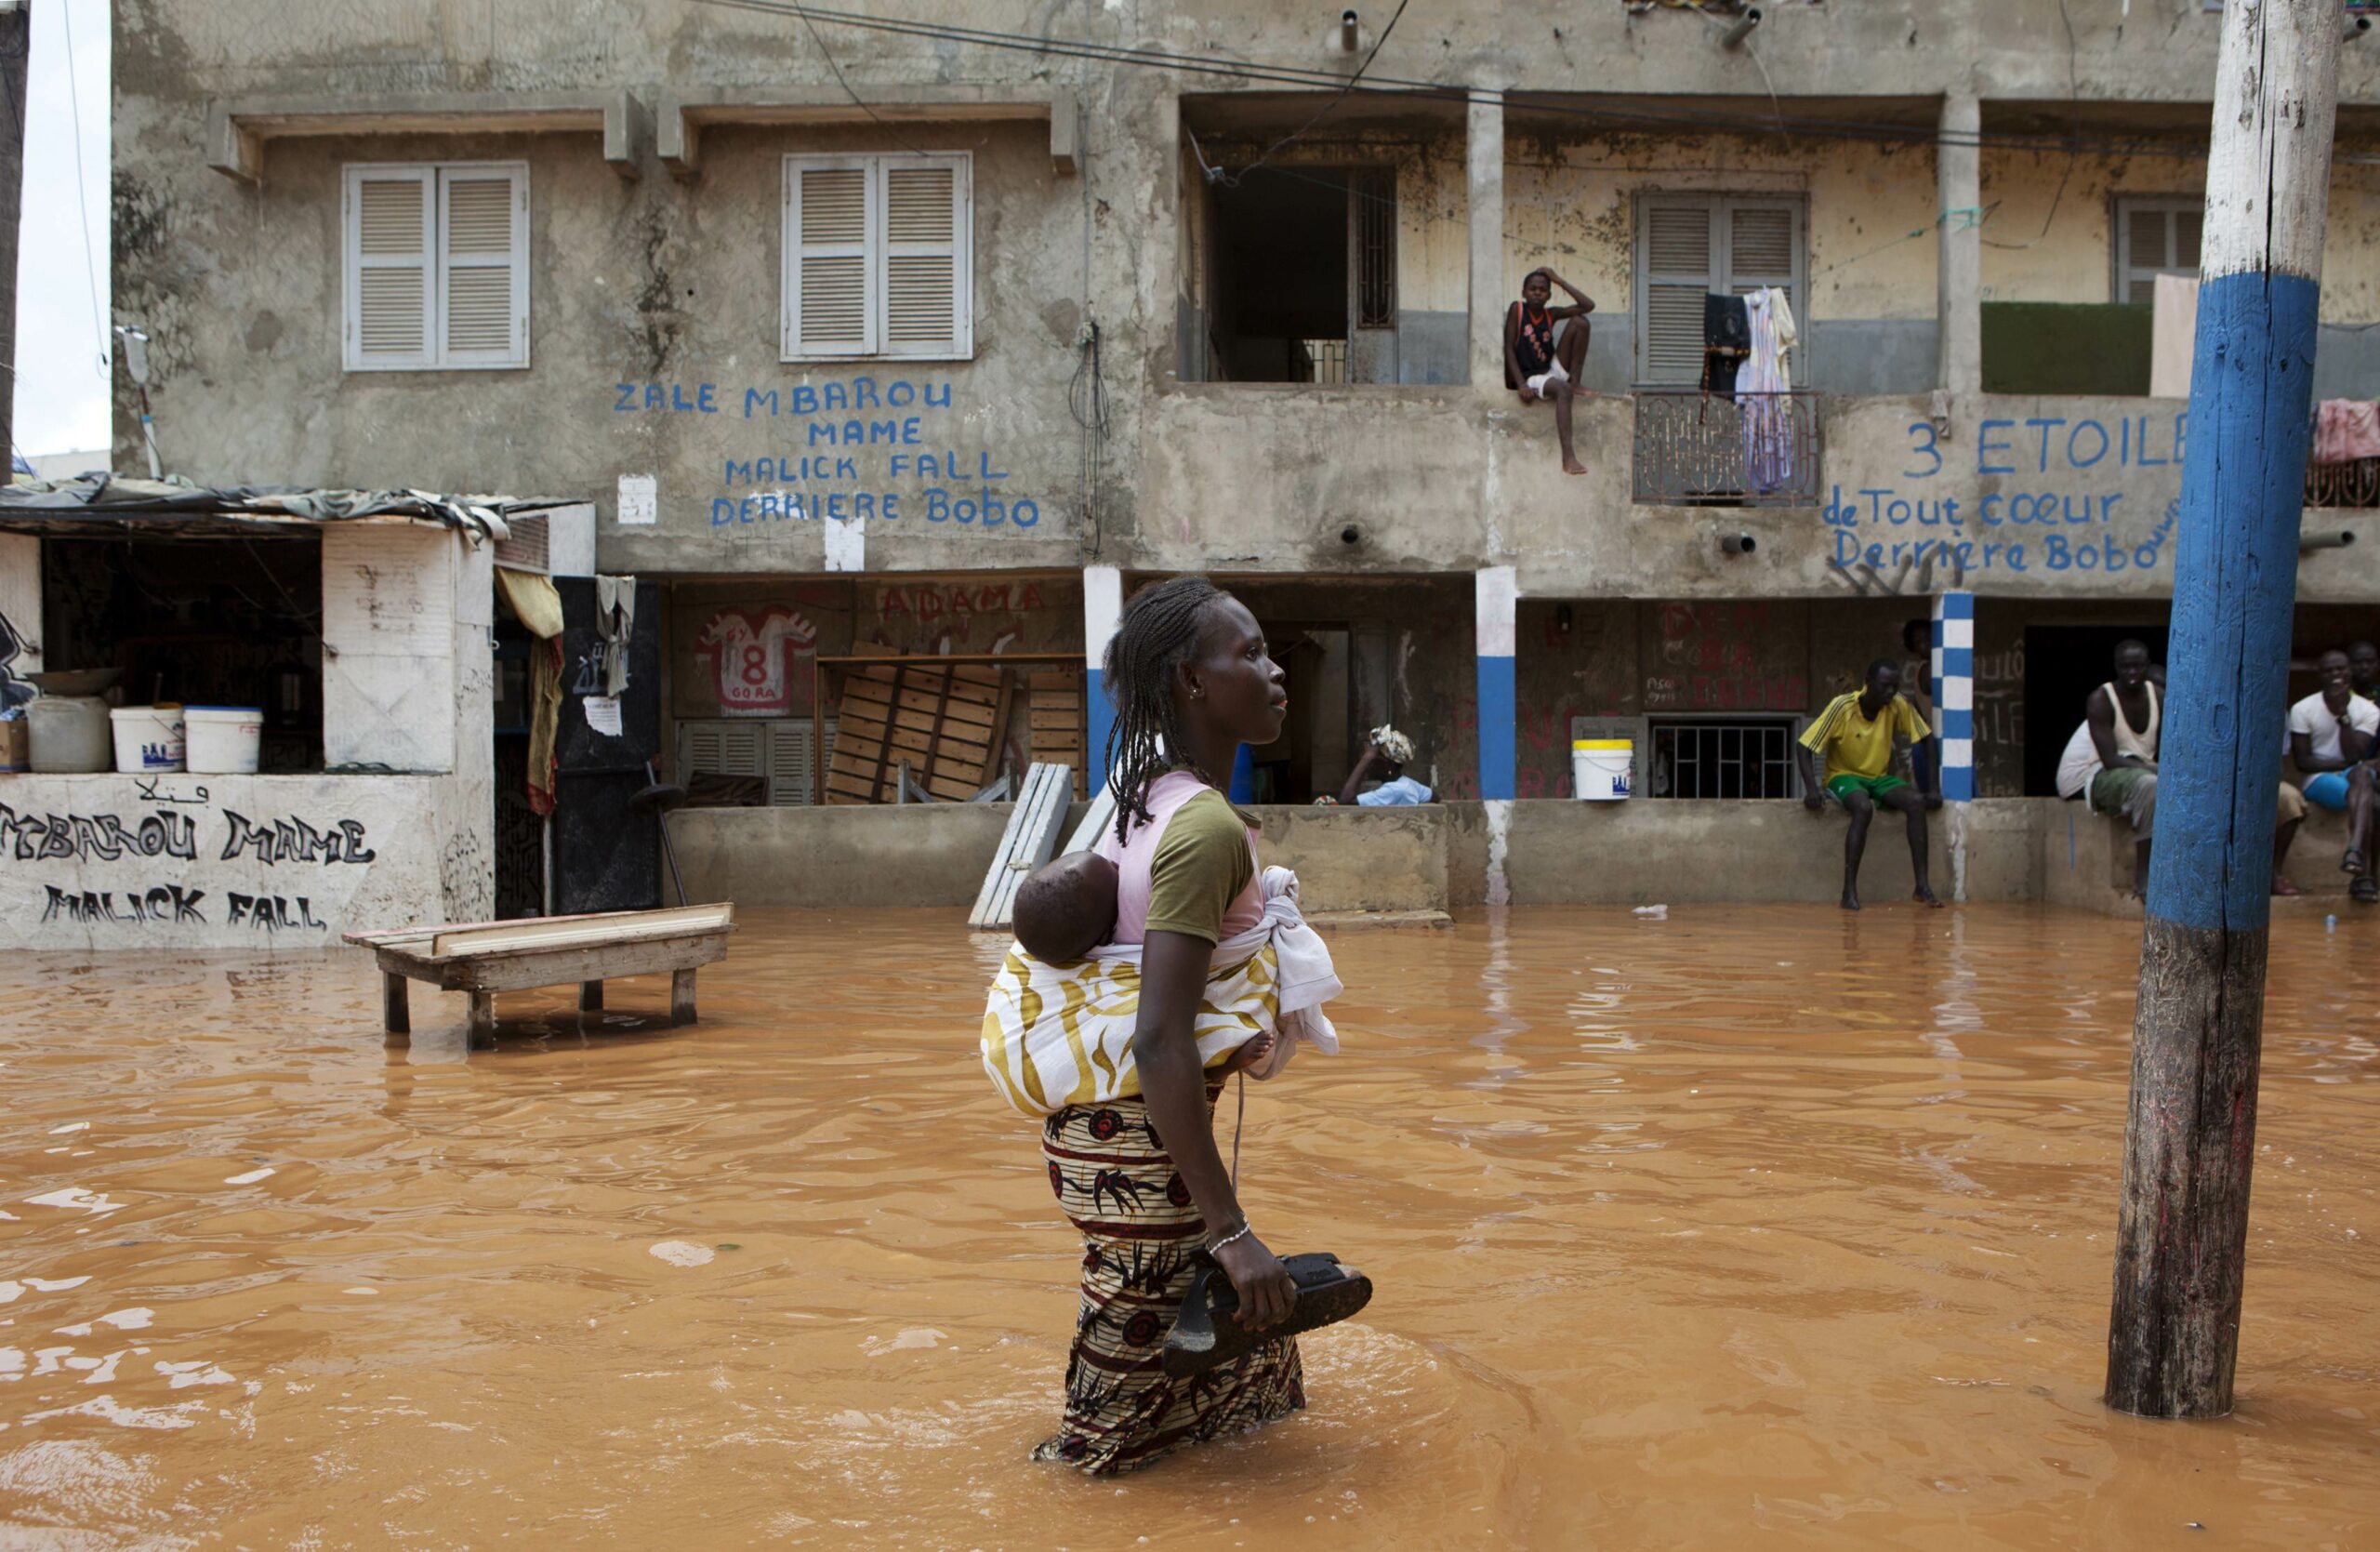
{"points": [[1127, 1133]]}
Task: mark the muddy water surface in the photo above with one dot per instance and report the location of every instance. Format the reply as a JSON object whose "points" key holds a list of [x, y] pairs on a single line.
{"points": [[1755, 1225]]}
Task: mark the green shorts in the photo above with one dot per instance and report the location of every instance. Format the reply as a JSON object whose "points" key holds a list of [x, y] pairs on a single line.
{"points": [[1875, 787]]}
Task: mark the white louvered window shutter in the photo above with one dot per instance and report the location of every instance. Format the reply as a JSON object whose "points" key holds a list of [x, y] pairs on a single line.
{"points": [[483, 266], [925, 257], [878, 257], [831, 222], [437, 265], [1764, 247], [389, 290], [1676, 266]]}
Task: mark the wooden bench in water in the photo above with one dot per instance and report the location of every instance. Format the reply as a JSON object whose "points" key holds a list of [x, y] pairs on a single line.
{"points": [[483, 958]]}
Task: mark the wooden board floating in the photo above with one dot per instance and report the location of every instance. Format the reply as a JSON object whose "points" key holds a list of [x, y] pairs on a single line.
{"points": [[1031, 838]]}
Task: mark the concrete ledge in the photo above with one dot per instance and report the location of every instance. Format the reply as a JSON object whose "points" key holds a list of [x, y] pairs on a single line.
{"points": [[680, 116], [1360, 859], [237, 130], [910, 854]]}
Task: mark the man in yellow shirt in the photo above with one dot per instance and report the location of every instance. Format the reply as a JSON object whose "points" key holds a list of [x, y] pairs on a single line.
{"points": [[1856, 732]]}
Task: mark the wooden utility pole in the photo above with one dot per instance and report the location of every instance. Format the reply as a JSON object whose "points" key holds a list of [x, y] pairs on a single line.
{"points": [[2173, 1338], [16, 43]]}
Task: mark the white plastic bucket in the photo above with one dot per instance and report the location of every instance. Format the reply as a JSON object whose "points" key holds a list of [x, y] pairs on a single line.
{"points": [[224, 739], [69, 734], [147, 738], [1602, 769]]}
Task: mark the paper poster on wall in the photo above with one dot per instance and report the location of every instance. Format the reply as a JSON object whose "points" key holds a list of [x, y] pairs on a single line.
{"points": [[639, 504], [847, 544], [603, 715]]}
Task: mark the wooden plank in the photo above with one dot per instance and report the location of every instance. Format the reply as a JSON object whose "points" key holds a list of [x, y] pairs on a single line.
{"points": [[396, 1007], [1055, 722], [1025, 844], [1099, 821], [627, 927], [563, 966]]}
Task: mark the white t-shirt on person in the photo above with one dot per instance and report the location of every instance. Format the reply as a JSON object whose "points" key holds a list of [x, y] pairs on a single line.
{"points": [[2313, 718]]}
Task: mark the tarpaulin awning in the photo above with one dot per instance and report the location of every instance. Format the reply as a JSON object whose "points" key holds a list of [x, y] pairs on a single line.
{"points": [[119, 504]]}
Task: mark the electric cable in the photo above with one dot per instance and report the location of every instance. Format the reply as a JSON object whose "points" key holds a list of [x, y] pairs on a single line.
{"points": [[1324, 112], [1822, 128], [82, 190]]}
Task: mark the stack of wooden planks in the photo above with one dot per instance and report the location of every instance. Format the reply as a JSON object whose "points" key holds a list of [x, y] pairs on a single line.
{"points": [[944, 721], [1033, 827], [1057, 710]]}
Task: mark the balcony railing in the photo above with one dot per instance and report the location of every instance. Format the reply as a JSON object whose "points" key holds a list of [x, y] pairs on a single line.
{"points": [[1697, 450], [2344, 484]]}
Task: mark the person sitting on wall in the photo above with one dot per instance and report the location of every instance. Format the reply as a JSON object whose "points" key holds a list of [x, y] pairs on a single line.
{"points": [[1384, 759], [1543, 363], [2332, 733], [2111, 762], [1856, 734]]}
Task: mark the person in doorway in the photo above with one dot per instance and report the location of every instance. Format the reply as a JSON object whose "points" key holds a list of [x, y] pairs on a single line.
{"points": [[2363, 670], [1545, 347], [1384, 761], [1856, 732], [2331, 733], [1917, 687]]}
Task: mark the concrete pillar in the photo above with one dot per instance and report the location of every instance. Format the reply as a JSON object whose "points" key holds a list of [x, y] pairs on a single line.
{"points": [[1959, 168], [1954, 691], [1954, 722], [1486, 206], [1498, 594], [1103, 606]]}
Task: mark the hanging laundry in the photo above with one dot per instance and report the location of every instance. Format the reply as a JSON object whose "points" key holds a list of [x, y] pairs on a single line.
{"points": [[2173, 337], [615, 623], [1762, 391], [1727, 339], [2347, 429]]}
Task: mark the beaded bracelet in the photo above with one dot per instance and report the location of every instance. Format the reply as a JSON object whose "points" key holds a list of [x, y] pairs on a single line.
{"points": [[1239, 1233]]}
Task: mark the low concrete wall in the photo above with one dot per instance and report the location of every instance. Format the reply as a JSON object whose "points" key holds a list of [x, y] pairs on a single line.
{"points": [[108, 861], [897, 854], [1360, 858], [1436, 856]]}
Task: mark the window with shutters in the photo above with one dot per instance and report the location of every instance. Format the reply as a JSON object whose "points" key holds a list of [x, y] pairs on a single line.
{"points": [[879, 258], [2155, 236], [437, 265], [1692, 245]]}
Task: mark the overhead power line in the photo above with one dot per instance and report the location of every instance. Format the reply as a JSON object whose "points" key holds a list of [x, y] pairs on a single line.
{"points": [[1550, 104]]}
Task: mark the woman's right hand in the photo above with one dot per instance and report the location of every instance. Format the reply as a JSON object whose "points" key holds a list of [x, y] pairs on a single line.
{"points": [[1265, 1288]]}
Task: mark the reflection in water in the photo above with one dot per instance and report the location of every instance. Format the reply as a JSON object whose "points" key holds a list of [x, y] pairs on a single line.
{"points": [[1751, 1222]]}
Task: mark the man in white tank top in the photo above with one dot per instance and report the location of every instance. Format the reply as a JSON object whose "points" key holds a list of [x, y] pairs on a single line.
{"points": [[2116, 766]]}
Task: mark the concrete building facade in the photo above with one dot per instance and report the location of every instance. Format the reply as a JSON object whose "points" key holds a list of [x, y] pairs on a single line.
{"points": [[935, 327]]}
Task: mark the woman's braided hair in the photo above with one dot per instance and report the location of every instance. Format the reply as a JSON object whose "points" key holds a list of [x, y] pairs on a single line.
{"points": [[1157, 635]]}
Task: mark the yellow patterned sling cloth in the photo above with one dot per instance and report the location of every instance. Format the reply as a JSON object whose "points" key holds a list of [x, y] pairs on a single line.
{"points": [[1061, 1034]]}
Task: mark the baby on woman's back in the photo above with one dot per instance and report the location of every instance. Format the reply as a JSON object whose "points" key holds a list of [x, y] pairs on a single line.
{"points": [[1067, 909]]}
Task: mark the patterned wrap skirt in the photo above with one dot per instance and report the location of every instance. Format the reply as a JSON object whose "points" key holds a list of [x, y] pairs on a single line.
{"points": [[1141, 1235]]}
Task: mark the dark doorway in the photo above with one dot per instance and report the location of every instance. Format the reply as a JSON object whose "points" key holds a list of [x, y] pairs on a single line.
{"points": [[2063, 664], [1281, 275]]}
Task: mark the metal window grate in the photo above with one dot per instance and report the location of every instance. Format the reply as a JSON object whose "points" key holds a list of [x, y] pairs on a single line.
{"points": [[1375, 195], [1318, 361], [1750, 756]]}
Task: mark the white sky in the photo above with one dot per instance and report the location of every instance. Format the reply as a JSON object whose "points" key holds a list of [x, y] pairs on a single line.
{"points": [[61, 387]]}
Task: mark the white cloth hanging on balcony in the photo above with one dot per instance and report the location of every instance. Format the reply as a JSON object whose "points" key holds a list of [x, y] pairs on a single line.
{"points": [[1762, 388]]}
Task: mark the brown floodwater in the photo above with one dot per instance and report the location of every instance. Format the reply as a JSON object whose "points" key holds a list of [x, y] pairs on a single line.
{"points": [[1755, 1224]]}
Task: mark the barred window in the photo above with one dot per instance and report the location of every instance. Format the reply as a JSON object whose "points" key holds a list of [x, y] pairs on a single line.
{"points": [[1722, 757]]}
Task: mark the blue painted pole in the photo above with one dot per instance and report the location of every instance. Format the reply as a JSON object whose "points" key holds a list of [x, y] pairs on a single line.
{"points": [[2173, 1338]]}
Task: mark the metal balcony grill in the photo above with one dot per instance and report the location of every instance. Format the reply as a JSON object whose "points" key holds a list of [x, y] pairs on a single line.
{"points": [[1696, 451]]}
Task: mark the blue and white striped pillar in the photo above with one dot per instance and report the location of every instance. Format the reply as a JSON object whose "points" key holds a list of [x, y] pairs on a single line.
{"points": [[1103, 606], [1954, 691], [2198, 1028], [1497, 601]]}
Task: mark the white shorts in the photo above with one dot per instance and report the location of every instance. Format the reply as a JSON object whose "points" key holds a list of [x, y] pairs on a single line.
{"points": [[1536, 384]]}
